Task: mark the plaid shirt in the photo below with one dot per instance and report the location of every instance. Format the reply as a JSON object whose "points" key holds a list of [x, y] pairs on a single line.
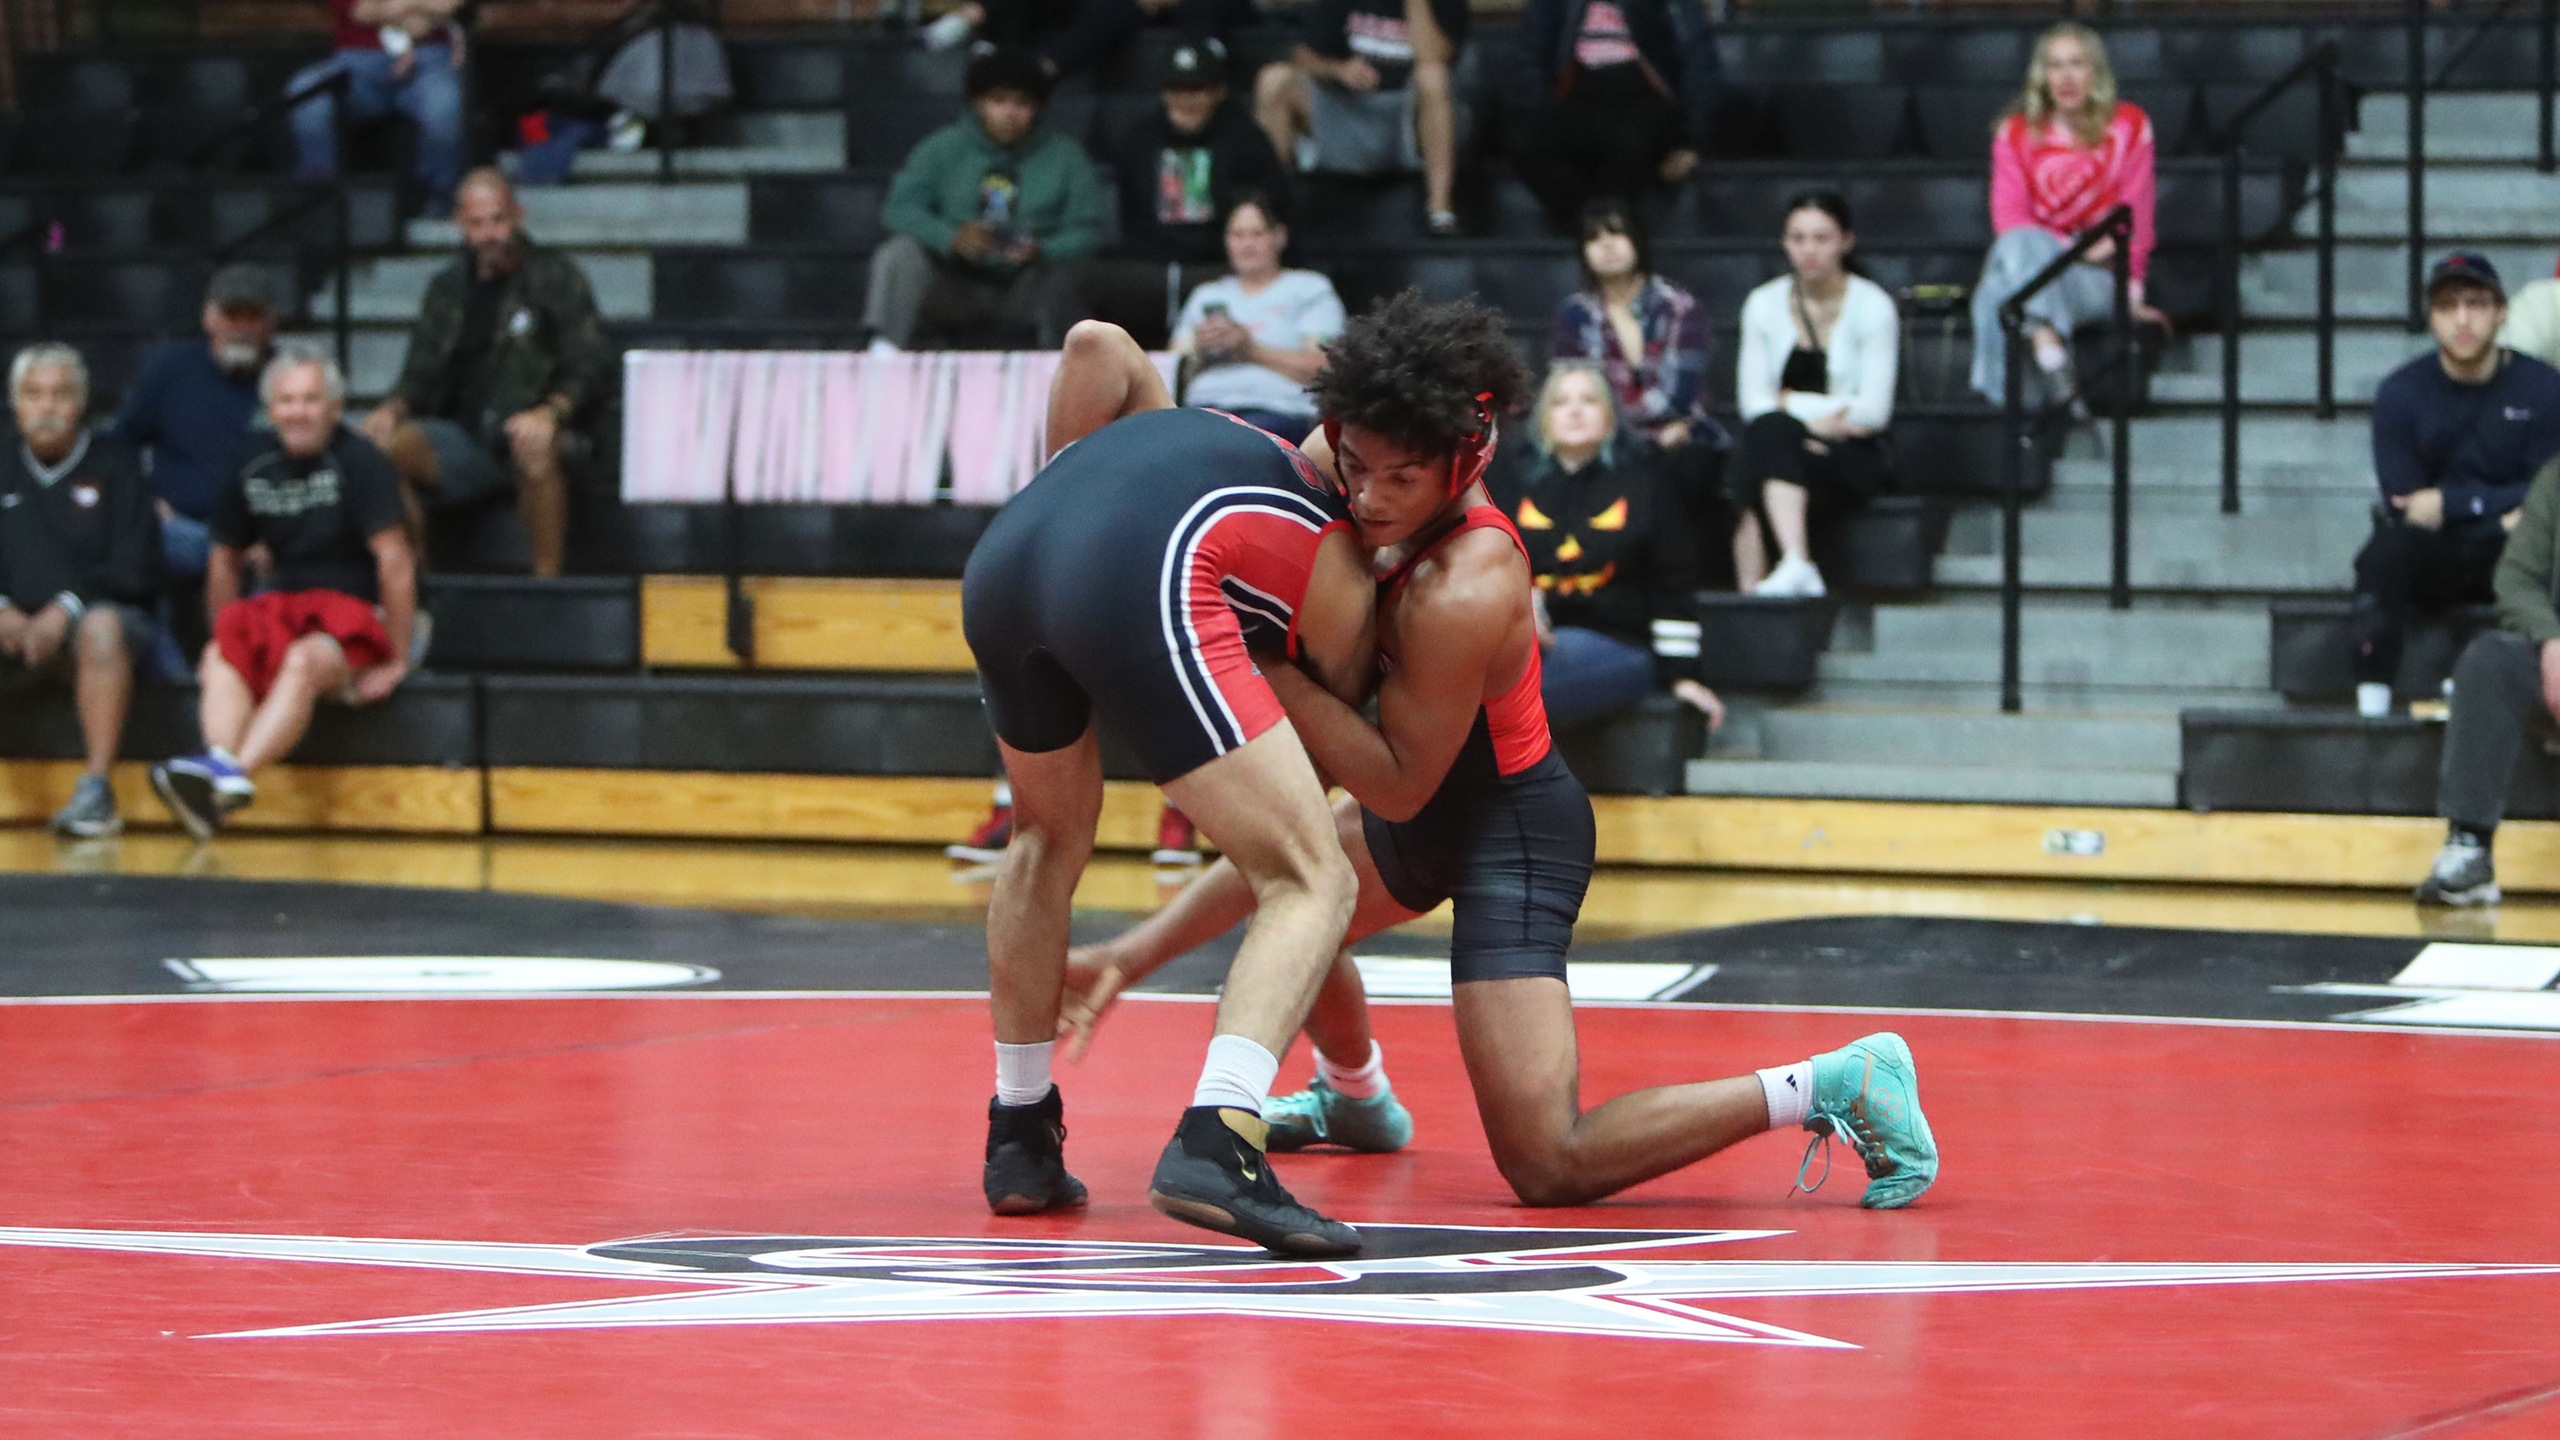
{"points": [[1668, 383]]}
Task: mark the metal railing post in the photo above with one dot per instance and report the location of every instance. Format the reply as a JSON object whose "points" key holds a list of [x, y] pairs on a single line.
{"points": [[666, 95], [2417, 137], [2547, 76], [2013, 486], [2228, 281], [342, 237], [2128, 378], [2330, 140]]}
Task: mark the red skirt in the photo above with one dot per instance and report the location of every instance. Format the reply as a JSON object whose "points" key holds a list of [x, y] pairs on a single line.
{"points": [[253, 634]]}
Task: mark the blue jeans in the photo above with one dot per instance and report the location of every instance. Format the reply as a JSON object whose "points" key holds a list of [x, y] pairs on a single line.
{"points": [[1589, 674], [2084, 294], [429, 94]]}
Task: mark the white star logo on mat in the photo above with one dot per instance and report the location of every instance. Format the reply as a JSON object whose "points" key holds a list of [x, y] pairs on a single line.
{"points": [[1556, 1282]]}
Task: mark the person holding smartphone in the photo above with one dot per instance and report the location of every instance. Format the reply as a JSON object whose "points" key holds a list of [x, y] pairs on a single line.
{"points": [[1252, 341]]}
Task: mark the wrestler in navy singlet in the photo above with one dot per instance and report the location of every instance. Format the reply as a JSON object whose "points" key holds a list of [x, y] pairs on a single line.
{"points": [[1128, 577], [1508, 835]]}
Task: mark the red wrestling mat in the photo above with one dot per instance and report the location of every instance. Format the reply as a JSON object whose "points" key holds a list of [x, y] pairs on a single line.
{"points": [[2143, 1230]]}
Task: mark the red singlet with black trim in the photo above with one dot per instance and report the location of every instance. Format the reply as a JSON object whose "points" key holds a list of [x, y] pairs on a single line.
{"points": [[1516, 719]]}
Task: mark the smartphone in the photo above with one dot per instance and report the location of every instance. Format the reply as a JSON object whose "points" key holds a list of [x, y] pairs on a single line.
{"points": [[1214, 310]]}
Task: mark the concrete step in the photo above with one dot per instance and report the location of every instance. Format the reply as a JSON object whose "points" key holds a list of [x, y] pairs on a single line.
{"points": [[2493, 202], [2047, 657], [2283, 365], [622, 217], [2373, 279], [1939, 782], [391, 287], [715, 162], [2471, 125], [1937, 737], [2172, 440], [2181, 485]]}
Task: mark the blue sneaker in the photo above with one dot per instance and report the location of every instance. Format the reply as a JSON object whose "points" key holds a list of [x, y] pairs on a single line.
{"points": [[1867, 1092], [1322, 1115]]}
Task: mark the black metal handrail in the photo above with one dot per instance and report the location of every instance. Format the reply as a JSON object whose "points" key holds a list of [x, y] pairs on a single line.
{"points": [[2115, 225], [2320, 65], [36, 238], [331, 193]]}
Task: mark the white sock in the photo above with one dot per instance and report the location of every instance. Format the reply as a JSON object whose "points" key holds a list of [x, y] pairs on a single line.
{"points": [[1022, 1072], [1364, 1081], [1238, 1075], [1004, 794], [1789, 1091], [2051, 355], [2373, 699]]}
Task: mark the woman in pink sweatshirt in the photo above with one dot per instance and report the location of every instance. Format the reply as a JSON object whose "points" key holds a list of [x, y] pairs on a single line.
{"points": [[2067, 152]]}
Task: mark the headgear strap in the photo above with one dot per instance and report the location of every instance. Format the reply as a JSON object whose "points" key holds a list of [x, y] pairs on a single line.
{"points": [[1467, 464]]}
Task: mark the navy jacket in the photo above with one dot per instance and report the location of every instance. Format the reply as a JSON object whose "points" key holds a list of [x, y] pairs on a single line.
{"points": [[2480, 444], [1672, 36]]}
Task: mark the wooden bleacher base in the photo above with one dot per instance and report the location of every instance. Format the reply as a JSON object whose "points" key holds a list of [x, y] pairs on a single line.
{"points": [[1706, 832], [406, 799]]}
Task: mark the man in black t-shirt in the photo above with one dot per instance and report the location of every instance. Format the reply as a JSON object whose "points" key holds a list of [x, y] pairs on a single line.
{"points": [[1179, 169], [1372, 89], [79, 557], [335, 622]]}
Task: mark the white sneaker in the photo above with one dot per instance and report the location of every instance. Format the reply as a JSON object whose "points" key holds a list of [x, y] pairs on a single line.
{"points": [[1793, 577], [2373, 700], [949, 31], [882, 345]]}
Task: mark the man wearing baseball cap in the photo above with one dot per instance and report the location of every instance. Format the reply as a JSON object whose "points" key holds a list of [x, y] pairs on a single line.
{"points": [[193, 413], [1180, 168], [2457, 436]]}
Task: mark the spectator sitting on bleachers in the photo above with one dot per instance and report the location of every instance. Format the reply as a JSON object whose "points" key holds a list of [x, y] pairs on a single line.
{"points": [[1071, 36], [403, 55], [1612, 558], [2067, 152], [193, 413], [335, 623], [2457, 435], [79, 548], [1180, 169], [1820, 350], [2533, 321], [1627, 92], [508, 354], [1373, 90], [1254, 339], [1650, 337], [2507, 679], [988, 219]]}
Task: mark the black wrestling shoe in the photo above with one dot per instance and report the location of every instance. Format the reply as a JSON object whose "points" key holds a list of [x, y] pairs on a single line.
{"points": [[1026, 1158], [1215, 1175]]}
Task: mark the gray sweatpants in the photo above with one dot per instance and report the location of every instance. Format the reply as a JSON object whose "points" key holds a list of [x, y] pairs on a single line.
{"points": [[2083, 295], [2497, 700], [913, 287]]}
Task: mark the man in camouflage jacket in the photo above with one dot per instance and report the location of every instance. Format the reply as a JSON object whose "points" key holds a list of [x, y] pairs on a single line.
{"points": [[507, 358]]}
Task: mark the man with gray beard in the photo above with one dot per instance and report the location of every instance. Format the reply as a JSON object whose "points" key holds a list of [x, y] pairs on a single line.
{"points": [[78, 550]]}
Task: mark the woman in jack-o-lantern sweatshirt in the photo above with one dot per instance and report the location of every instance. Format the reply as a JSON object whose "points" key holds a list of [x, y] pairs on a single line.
{"points": [[1613, 558]]}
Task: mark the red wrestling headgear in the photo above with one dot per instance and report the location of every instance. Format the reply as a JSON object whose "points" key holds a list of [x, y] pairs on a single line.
{"points": [[1467, 463]]}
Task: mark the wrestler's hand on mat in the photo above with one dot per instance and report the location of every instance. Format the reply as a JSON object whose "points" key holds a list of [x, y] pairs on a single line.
{"points": [[1092, 982], [374, 683]]}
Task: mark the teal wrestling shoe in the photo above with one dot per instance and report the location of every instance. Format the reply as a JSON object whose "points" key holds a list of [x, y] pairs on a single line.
{"points": [[1322, 1115], [1867, 1092]]}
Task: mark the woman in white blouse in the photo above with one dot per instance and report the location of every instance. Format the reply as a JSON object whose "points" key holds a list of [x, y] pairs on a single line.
{"points": [[1820, 349]]}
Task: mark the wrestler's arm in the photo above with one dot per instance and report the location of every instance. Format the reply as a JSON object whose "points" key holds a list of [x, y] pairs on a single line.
{"points": [[1102, 375], [1337, 633], [1428, 703]]}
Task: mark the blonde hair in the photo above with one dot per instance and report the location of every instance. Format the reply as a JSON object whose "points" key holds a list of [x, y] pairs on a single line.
{"points": [[1556, 376], [2036, 101]]}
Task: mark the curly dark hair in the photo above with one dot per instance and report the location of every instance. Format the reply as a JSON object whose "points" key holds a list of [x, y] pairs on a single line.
{"points": [[1411, 371]]}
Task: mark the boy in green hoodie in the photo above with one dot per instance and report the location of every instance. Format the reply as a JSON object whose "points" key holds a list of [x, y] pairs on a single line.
{"points": [[987, 220]]}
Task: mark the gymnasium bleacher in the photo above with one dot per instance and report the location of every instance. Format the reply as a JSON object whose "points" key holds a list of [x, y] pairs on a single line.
{"points": [[612, 702]]}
